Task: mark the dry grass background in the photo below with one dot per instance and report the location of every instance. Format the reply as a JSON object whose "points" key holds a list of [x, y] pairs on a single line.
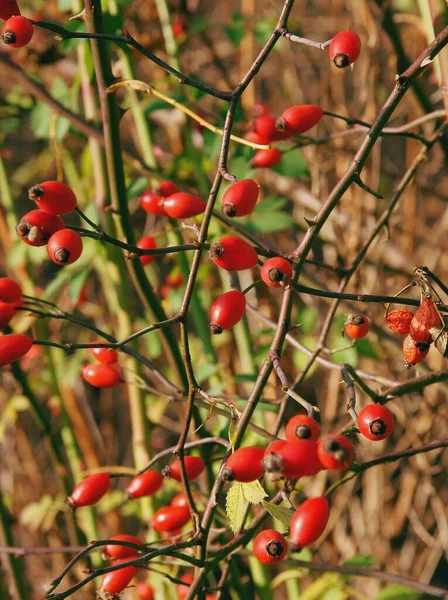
{"points": [[397, 512]]}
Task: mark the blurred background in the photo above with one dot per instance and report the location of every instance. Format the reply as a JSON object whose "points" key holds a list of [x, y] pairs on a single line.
{"points": [[53, 426]]}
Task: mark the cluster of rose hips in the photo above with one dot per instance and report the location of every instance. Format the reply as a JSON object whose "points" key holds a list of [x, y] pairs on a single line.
{"points": [[44, 226], [417, 329], [13, 346], [168, 520], [106, 372]]}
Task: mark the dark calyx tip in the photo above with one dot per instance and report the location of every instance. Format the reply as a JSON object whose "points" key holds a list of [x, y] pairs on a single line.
{"points": [[62, 255], [280, 124], [215, 329], [36, 192], [341, 61], [276, 275], [227, 474], [229, 209], [9, 37], [216, 250], [378, 427], [23, 229], [274, 548], [303, 432], [166, 472]]}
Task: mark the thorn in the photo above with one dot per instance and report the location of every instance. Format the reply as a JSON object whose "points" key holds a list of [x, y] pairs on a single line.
{"points": [[366, 188], [310, 222]]}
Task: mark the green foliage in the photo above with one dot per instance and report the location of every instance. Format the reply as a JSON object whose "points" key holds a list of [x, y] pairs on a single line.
{"points": [[237, 496], [236, 30], [395, 591]]}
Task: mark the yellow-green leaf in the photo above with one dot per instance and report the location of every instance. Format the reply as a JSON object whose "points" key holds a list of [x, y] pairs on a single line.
{"points": [[254, 492], [235, 502], [281, 513]]}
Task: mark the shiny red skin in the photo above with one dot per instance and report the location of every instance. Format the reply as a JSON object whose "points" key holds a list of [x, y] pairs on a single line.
{"points": [[183, 205], [116, 581], [147, 243], [115, 551], [283, 270], [144, 591], [399, 321], [101, 376], [265, 127], [22, 29], [180, 501], [105, 356], [253, 137], [301, 118], [302, 427], [10, 291], [357, 326], [270, 547], [170, 518], [7, 311], [194, 465], [13, 346], [227, 310], [45, 225], [337, 458], [146, 484], [65, 247], [240, 198], [267, 158], [90, 490], [57, 198], [8, 8], [376, 422], [152, 203], [308, 522], [245, 463], [237, 254], [425, 317], [292, 460], [345, 48], [414, 352], [167, 188]]}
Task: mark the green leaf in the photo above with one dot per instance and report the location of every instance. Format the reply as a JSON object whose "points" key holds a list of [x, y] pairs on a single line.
{"points": [[366, 348], [359, 560], [237, 30], [267, 222], [292, 164], [235, 502], [137, 187], [281, 513], [254, 492], [320, 587], [395, 591]]}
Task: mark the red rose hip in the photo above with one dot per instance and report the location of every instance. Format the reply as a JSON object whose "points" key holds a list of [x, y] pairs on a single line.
{"points": [[244, 464], [53, 197], [145, 484], [90, 490], [276, 271], [299, 119], [302, 427], [270, 547], [399, 321], [183, 205], [376, 422], [356, 326], [116, 581], [240, 198], [101, 376], [36, 227], [10, 291], [17, 32], [335, 451], [194, 465], [267, 158], [106, 356], [233, 254], [65, 247], [308, 523], [345, 48], [227, 311], [13, 346]]}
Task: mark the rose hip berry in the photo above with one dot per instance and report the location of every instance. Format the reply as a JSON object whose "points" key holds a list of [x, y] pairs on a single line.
{"points": [[53, 197], [106, 356], [7, 312], [335, 451], [13, 346], [170, 518], [17, 32], [270, 547], [244, 464], [146, 484], [276, 271], [291, 460], [152, 201], [302, 427], [267, 158], [233, 254], [8, 8], [65, 247], [376, 422], [36, 227], [299, 119], [147, 243], [356, 326], [116, 551], [183, 205], [240, 198], [308, 523], [399, 321], [414, 352], [90, 490], [426, 317], [266, 129], [144, 591], [227, 311], [10, 291], [116, 581], [101, 376], [194, 465], [345, 48]]}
